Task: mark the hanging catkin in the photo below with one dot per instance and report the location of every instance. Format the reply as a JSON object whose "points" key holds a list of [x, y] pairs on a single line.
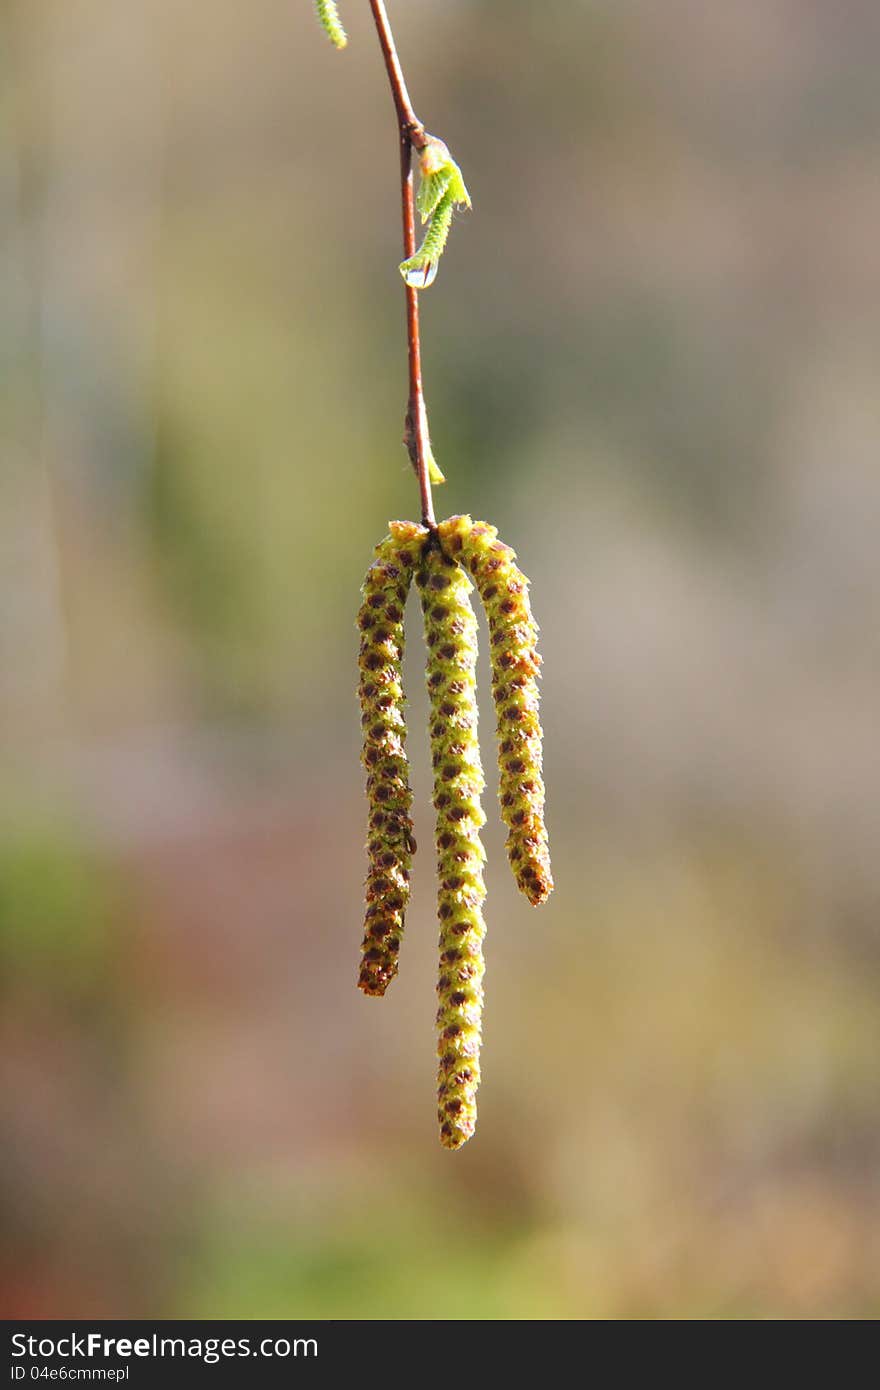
{"points": [[442, 559], [451, 639], [390, 844], [328, 18], [513, 634]]}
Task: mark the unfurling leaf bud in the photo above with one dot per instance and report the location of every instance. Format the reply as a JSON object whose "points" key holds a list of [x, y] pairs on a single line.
{"points": [[390, 844], [451, 639], [513, 635], [441, 190]]}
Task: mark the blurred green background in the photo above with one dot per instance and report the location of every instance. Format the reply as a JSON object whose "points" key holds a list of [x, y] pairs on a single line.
{"points": [[657, 375]]}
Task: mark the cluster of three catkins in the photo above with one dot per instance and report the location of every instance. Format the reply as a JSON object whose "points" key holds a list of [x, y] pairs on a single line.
{"points": [[440, 561]]}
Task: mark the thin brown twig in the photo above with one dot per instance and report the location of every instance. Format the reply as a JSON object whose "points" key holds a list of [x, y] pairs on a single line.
{"points": [[412, 136]]}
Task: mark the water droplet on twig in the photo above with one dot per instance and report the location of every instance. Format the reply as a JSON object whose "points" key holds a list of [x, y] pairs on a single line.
{"points": [[420, 277]]}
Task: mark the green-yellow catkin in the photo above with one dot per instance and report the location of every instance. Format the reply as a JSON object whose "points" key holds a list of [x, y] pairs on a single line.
{"points": [[328, 18], [451, 639], [513, 635], [390, 843]]}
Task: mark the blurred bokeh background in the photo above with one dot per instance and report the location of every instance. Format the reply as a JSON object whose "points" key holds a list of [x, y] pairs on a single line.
{"points": [[652, 359]]}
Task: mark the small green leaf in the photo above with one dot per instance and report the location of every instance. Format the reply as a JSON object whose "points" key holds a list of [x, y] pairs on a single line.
{"points": [[431, 190], [434, 473], [420, 270], [460, 195], [441, 190]]}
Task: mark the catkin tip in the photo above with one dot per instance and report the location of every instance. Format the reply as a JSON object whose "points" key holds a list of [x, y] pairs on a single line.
{"points": [[454, 1136], [375, 985]]}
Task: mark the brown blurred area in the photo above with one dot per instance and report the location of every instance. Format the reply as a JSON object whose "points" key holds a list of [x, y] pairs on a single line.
{"points": [[651, 358]]}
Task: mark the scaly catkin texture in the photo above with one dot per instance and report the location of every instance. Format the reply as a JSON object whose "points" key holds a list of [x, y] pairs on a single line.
{"points": [[390, 844], [513, 635], [328, 18], [451, 639]]}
